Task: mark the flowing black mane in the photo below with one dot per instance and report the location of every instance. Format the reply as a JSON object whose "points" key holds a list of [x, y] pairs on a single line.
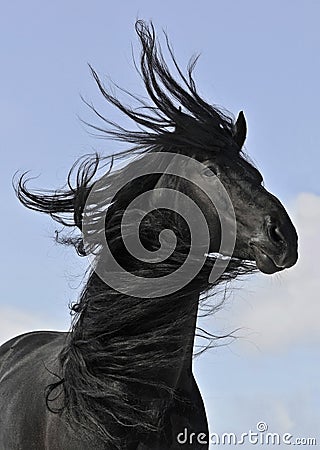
{"points": [[196, 123], [115, 339]]}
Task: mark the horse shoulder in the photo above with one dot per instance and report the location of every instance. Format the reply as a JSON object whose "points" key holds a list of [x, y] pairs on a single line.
{"points": [[27, 365]]}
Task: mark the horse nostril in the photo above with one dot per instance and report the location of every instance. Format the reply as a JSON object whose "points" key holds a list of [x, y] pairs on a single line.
{"points": [[275, 234]]}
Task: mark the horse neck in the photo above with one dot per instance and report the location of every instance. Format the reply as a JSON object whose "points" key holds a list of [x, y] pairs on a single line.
{"points": [[172, 327], [179, 377]]}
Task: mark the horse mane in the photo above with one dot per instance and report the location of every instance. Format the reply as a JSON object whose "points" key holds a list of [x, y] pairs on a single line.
{"points": [[117, 341]]}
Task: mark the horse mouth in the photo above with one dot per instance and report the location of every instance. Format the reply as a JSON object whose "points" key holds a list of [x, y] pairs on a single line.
{"points": [[264, 262]]}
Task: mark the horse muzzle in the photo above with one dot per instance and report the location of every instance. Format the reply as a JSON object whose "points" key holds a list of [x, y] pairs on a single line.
{"points": [[277, 249]]}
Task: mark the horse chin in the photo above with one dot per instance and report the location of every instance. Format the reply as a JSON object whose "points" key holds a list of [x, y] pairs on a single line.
{"points": [[264, 262]]}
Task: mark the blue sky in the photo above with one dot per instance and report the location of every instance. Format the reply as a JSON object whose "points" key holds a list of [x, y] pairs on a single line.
{"points": [[259, 57]]}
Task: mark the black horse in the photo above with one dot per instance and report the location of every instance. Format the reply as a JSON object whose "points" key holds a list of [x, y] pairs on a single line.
{"points": [[122, 377]]}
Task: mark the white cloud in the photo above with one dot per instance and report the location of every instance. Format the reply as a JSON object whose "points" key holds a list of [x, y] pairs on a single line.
{"points": [[282, 416], [280, 319], [14, 321], [284, 309]]}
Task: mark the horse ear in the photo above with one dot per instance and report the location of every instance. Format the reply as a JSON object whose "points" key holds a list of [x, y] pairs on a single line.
{"points": [[240, 130]]}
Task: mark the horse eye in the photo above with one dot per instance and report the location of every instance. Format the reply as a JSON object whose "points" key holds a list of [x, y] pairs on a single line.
{"points": [[209, 171]]}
